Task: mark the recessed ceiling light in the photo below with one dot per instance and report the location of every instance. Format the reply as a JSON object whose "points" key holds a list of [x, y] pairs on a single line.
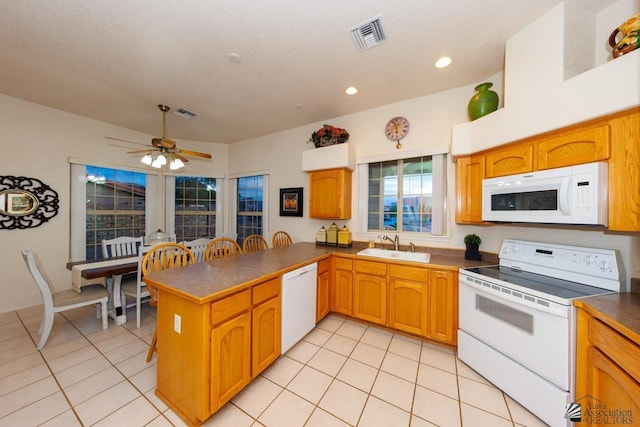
{"points": [[234, 57], [351, 90], [443, 62], [298, 106]]}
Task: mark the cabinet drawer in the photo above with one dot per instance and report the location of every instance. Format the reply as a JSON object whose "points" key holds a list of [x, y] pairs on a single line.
{"points": [[266, 290], [344, 263], [230, 306], [618, 348], [371, 267], [323, 265], [409, 273]]}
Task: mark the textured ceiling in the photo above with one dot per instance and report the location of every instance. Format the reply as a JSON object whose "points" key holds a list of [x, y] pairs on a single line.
{"points": [[114, 60]]}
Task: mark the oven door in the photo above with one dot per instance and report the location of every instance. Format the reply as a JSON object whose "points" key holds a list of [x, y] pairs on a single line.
{"points": [[537, 338]]}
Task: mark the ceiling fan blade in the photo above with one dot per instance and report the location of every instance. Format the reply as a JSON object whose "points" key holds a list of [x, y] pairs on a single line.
{"points": [[125, 140], [184, 159], [140, 151], [193, 153]]}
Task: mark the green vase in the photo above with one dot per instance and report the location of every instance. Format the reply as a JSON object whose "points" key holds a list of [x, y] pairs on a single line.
{"points": [[485, 101]]}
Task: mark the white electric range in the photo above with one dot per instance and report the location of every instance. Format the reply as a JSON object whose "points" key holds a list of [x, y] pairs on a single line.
{"points": [[517, 320]]}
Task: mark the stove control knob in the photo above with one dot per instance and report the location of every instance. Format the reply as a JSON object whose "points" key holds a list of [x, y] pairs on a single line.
{"points": [[591, 260], [605, 266]]}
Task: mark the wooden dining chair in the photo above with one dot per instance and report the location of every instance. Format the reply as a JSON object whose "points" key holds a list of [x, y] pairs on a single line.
{"points": [[281, 238], [198, 247], [162, 257], [68, 299], [254, 243], [222, 247]]}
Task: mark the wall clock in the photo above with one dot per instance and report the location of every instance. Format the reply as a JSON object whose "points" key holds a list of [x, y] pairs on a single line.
{"points": [[396, 129]]}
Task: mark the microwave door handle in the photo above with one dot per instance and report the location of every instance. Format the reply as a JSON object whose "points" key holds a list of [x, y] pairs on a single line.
{"points": [[564, 196]]}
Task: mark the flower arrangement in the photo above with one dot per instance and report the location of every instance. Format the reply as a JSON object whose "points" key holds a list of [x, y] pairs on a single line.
{"points": [[328, 135]]}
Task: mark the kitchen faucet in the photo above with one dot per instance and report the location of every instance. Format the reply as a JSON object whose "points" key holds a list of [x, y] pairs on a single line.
{"points": [[395, 240]]}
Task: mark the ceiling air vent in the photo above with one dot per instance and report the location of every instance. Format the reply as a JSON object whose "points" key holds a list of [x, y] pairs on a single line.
{"points": [[368, 34], [185, 113]]}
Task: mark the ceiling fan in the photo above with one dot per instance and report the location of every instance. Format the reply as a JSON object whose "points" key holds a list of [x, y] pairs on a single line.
{"points": [[163, 151]]}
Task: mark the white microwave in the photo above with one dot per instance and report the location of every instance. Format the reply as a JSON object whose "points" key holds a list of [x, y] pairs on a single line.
{"points": [[569, 195]]}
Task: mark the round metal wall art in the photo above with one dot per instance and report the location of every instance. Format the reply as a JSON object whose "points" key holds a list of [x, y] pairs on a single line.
{"points": [[26, 202]]}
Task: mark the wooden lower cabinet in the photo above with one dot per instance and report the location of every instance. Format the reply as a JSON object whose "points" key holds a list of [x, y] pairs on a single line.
{"points": [[370, 291], [266, 326], [342, 286], [230, 359], [221, 346], [409, 299], [443, 306], [418, 300], [323, 305], [607, 372]]}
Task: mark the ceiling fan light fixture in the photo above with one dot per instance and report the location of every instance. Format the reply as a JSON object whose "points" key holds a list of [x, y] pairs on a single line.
{"points": [[176, 164], [147, 159]]}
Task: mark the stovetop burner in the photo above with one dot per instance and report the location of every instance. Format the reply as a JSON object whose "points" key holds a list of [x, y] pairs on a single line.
{"points": [[559, 288]]}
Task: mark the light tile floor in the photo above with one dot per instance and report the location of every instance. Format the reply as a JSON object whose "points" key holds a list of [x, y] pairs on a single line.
{"points": [[342, 373]]}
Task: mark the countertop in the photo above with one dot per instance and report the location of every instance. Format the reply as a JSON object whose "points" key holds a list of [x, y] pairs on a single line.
{"points": [[206, 281], [619, 311]]}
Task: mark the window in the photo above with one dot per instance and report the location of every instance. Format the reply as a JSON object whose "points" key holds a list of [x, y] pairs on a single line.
{"points": [[249, 211], [115, 206], [405, 195], [195, 207]]}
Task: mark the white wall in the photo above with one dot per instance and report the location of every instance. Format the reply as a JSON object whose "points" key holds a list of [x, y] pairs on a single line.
{"points": [[36, 142], [431, 118]]}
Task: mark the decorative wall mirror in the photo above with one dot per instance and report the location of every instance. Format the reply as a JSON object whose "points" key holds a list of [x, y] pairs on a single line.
{"points": [[26, 202]]}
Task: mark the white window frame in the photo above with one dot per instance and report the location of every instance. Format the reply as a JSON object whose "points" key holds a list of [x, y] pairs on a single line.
{"points": [[233, 196], [78, 215], [439, 188], [170, 199]]}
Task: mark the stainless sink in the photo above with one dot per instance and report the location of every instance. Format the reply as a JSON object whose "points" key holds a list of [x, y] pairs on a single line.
{"points": [[397, 255]]}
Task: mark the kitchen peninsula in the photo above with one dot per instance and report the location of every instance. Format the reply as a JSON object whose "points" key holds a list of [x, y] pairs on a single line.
{"points": [[219, 322]]}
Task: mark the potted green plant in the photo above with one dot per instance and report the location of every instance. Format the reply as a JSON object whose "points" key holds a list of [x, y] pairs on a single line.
{"points": [[472, 241]]}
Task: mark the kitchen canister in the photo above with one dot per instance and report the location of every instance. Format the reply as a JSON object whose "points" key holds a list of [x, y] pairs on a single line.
{"points": [[321, 236], [344, 237], [485, 101], [332, 235]]}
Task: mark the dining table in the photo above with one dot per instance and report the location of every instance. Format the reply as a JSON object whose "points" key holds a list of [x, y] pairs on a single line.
{"points": [[109, 270]]}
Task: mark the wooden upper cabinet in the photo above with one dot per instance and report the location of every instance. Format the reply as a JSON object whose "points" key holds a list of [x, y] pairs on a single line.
{"points": [[572, 147], [624, 173], [469, 176], [330, 194], [509, 161]]}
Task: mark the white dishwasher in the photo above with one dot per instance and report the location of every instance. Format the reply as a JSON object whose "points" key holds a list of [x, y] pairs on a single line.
{"points": [[298, 304]]}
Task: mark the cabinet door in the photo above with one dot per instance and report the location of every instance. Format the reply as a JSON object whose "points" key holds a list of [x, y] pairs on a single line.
{"points": [[469, 176], [265, 334], [509, 161], [330, 194], [343, 292], [610, 387], [624, 173], [574, 147], [443, 306], [370, 298], [230, 359], [322, 295], [408, 306]]}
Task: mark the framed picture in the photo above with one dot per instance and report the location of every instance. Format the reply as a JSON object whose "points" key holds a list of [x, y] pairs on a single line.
{"points": [[291, 201]]}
